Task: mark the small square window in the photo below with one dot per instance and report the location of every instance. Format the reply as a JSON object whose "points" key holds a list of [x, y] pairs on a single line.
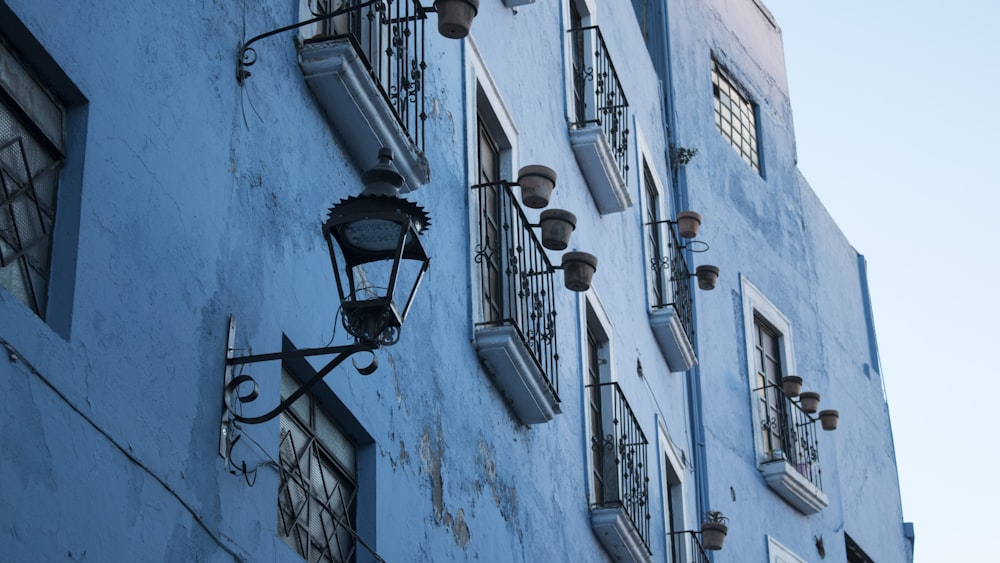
{"points": [[734, 116]]}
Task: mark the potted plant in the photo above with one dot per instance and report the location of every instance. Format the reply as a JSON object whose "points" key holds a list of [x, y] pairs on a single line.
{"points": [[536, 183], [829, 418], [557, 226], [791, 385], [713, 530], [707, 276], [578, 270], [688, 223], [809, 401], [455, 17]]}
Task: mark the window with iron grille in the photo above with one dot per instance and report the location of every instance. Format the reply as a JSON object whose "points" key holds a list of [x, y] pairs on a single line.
{"points": [[735, 116], [489, 173], [785, 435], [618, 447], [654, 240], [32, 150], [317, 492], [767, 361]]}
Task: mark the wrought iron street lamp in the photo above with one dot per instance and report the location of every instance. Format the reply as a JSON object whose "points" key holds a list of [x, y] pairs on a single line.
{"points": [[378, 261]]}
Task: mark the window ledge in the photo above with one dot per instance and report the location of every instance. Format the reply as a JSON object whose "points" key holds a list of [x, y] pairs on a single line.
{"points": [[516, 375], [618, 536], [600, 169], [356, 109], [790, 485], [673, 340]]}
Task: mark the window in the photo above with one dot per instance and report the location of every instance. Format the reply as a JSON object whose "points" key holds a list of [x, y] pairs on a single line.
{"points": [[618, 462], [318, 489], [671, 315], [767, 367], [40, 163], [682, 544], [654, 242], [489, 173], [735, 116], [854, 552], [31, 153], [597, 357], [515, 316], [599, 117], [785, 436]]}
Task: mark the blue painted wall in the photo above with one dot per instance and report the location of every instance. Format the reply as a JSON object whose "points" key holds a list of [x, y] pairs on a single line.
{"points": [[201, 199], [771, 229]]}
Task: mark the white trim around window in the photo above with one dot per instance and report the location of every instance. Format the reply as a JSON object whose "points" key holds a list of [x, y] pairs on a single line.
{"points": [[755, 304]]}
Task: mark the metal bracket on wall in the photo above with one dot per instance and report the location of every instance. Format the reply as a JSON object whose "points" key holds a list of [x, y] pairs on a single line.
{"points": [[227, 416]]}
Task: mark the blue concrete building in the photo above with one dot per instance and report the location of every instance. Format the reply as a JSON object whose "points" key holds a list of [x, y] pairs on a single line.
{"points": [[184, 192]]}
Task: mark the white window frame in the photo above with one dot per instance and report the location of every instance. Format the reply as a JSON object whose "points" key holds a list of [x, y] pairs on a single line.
{"points": [[671, 465], [756, 304], [644, 161], [594, 315], [478, 80], [778, 553], [588, 11], [783, 479]]}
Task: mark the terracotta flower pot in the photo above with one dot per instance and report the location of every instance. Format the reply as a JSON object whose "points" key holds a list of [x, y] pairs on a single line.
{"points": [[829, 418], [537, 183], [688, 223], [455, 17], [809, 401], [713, 534], [791, 385], [578, 270], [557, 226], [707, 276]]}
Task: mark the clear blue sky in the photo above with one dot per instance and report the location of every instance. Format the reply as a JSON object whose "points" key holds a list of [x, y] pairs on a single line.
{"points": [[897, 114]]}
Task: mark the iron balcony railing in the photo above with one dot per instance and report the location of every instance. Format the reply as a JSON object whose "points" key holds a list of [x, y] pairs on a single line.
{"points": [[680, 281], [621, 449], [790, 434], [389, 37], [687, 542], [518, 280], [598, 94]]}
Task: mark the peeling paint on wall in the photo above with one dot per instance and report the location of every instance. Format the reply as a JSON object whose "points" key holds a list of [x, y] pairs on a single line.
{"points": [[430, 456]]}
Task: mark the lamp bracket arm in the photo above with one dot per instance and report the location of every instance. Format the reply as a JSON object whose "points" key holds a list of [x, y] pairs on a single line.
{"points": [[346, 352], [248, 56], [298, 353]]}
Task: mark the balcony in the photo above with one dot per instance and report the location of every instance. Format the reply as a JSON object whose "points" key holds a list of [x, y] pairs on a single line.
{"points": [[791, 467], [367, 70], [672, 323], [619, 514], [517, 338], [599, 131], [685, 546]]}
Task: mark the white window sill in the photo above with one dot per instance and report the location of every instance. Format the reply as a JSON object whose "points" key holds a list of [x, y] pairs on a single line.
{"points": [[357, 110], [673, 340], [790, 485], [619, 538], [516, 374], [600, 169]]}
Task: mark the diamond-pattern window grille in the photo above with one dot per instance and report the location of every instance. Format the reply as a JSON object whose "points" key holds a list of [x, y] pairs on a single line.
{"points": [[317, 494], [29, 174]]}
